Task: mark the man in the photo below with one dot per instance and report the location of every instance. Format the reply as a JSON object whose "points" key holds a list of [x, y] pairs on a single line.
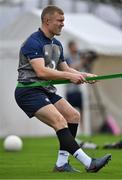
{"points": [[41, 59]]}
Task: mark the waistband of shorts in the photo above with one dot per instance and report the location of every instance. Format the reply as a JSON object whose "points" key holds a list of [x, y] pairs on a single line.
{"points": [[33, 84]]}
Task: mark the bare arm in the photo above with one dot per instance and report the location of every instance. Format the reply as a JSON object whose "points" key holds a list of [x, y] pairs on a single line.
{"points": [[50, 74], [77, 65], [65, 67]]}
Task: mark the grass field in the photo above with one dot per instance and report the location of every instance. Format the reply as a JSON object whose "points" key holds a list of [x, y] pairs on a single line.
{"points": [[38, 157]]}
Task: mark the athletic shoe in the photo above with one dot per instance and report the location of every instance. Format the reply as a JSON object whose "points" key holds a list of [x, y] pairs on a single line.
{"points": [[98, 163], [65, 168]]}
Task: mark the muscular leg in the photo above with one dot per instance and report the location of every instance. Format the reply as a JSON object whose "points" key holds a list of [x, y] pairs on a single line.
{"points": [[72, 117], [69, 113], [52, 117]]}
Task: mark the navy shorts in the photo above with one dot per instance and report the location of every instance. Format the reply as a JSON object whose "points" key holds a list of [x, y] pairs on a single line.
{"points": [[30, 100]]}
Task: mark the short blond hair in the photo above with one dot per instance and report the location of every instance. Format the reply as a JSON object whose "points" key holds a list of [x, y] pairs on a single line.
{"points": [[50, 10]]}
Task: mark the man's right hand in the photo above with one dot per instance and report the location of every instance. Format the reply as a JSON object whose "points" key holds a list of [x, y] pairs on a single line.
{"points": [[77, 78]]}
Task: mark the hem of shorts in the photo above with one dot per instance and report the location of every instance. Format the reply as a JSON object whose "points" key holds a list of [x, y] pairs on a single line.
{"points": [[33, 114]]}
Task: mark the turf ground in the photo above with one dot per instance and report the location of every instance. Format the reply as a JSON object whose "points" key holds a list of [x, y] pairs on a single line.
{"points": [[38, 157]]}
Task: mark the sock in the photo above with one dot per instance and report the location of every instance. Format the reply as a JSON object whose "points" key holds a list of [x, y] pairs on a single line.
{"points": [[68, 143], [82, 157], [62, 158], [62, 154], [73, 128]]}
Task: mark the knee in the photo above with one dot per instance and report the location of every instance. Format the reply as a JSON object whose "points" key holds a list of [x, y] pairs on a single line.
{"points": [[75, 117]]}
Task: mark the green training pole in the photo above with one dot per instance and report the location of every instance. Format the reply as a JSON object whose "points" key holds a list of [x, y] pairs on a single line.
{"points": [[54, 82], [101, 77]]}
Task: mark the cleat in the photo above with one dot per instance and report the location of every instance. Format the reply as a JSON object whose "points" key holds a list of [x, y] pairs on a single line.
{"points": [[98, 163], [65, 168]]}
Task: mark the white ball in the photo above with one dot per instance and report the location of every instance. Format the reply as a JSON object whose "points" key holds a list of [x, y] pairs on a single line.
{"points": [[12, 143]]}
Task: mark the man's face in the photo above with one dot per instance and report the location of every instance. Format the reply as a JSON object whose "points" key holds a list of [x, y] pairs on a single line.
{"points": [[56, 23]]}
